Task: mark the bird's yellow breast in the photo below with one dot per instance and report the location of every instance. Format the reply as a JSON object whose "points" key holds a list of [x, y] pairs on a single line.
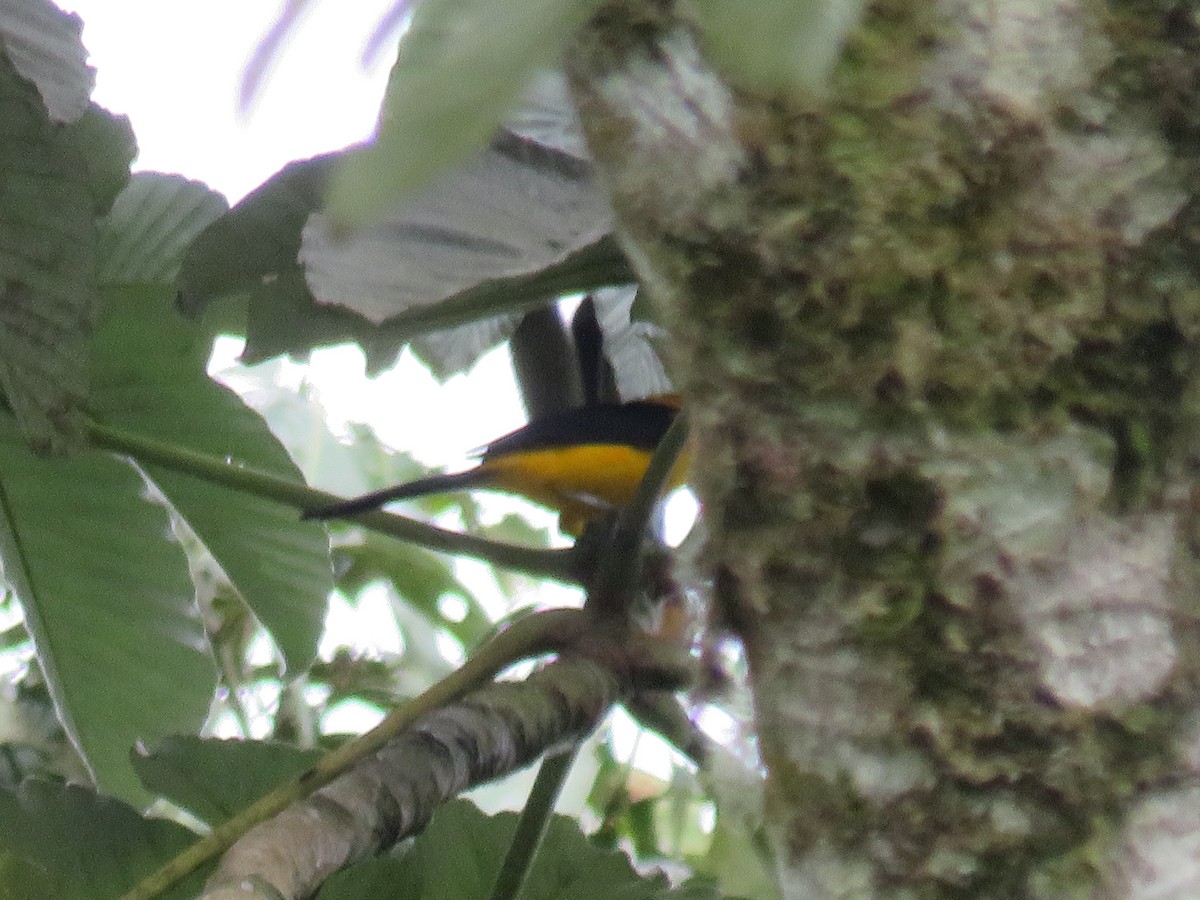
{"points": [[581, 481]]}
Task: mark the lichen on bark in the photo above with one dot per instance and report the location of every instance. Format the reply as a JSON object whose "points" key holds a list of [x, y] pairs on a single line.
{"points": [[938, 331]]}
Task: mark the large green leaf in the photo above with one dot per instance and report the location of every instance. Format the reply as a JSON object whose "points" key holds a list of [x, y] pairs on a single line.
{"points": [[151, 224], [216, 779], [258, 240], [282, 317], [54, 181], [462, 66], [105, 145], [150, 379], [89, 847], [513, 208], [458, 858], [43, 43], [108, 599], [251, 254]]}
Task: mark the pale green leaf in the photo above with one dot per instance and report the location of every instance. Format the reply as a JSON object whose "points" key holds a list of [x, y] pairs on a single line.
{"points": [[420, 577], [150, 380], [54, 181], [463, 65], [251, 253], [108, 600], [512, 209], [217, 779]]}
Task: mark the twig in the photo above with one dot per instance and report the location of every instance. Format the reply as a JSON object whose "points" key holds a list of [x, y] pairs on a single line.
{"points": [[618, 568], [662, 713], [531, 827], [562, 565]]}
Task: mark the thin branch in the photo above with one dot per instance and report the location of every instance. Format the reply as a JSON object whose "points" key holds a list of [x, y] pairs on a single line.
{"points": [[394, 793], [619, 564], [562, 565], [663, 714], [233, 685], [531, 827], [529, 636]]}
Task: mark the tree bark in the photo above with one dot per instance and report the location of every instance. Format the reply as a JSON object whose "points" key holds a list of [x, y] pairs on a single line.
{"points": [[393, 793], [938, 331]]}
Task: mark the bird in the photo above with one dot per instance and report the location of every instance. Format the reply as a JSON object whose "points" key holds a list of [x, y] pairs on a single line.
{"points": [[584, 463]]}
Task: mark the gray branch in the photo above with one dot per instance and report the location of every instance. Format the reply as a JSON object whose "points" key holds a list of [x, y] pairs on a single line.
{"points": [[393, 794]]}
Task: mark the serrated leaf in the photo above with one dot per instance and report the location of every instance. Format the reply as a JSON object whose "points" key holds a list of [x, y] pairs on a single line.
{"points": [[150, 379], [462, 66], [92, 847], [108, 600], [47, 290], [215, 779], [458, 858], [257, 240], [151, 224], [515, 208], [54, 180], [251, 252], [44, 45], [106, 146]]}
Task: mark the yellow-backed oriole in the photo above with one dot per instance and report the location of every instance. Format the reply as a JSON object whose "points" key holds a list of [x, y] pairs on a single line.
{"points": [[582, 462]]}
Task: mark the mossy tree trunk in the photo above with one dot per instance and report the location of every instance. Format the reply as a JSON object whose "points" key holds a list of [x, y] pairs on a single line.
{"points": [[939, 332]]}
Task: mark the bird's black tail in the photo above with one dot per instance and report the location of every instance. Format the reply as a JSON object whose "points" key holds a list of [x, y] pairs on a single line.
{"points": [[434, 484]]}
